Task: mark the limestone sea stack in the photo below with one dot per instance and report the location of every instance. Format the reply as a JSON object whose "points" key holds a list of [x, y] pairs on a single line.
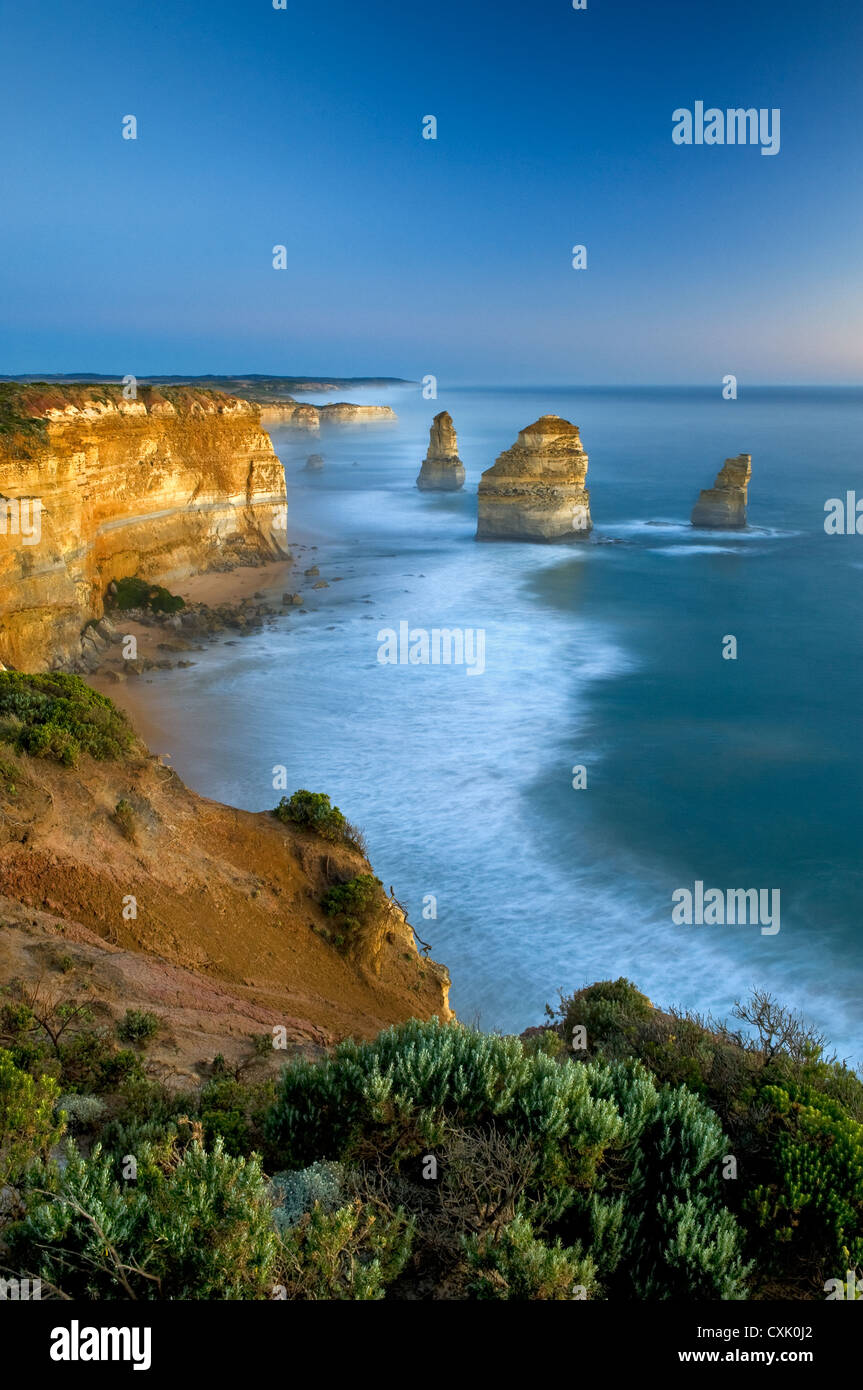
{"points": [[442, 469], [535, 491], [314, 463], [724, 504]]}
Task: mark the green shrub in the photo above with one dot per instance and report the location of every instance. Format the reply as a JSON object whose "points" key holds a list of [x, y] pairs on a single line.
{"points": [[296, 1194], [82, 1112], [393, 1095], [354, 898], [16, 1021], [351, 904], [618, 1168], [146, 1113], [516, 1265], [10, 778], [58, 716], [140, 593], [351, 1253], [235, 1112], [137, 1025], [812, 1200], [197, 1227], [312, 811], [792, 1115], [679, 1240], [29, 1128], [92, 1063], [608, 1011], [126, 820]]}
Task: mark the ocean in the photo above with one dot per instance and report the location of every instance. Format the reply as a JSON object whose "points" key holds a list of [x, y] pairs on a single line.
{"points": [[604, 654]]}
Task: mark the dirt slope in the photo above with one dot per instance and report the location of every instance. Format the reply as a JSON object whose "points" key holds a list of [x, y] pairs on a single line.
{"points": [[229, 937]]}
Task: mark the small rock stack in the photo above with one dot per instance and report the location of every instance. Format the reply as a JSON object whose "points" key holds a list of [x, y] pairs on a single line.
{"points": [[724, 504], [442, 469]]}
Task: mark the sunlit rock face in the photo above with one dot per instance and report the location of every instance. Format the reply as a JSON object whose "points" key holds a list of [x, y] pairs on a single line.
{"points": [[535, 491], [442, 469], [724, 504], [297, 415], [163, 486]]}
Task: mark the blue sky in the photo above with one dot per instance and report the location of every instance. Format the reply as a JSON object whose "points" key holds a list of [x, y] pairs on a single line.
{"points": [[406, 256]]}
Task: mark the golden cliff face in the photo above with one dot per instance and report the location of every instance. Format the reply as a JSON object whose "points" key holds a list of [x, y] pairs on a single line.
{"points": [[99, 488], [298, 415]]}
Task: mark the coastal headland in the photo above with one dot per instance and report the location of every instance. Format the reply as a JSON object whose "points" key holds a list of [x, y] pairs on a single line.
{"points": [[217, 918]]}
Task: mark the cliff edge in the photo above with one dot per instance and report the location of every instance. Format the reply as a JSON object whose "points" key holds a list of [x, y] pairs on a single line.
{"points": [[95, 487], [224, 922]]}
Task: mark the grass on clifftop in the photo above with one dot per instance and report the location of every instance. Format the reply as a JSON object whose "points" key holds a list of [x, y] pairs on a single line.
{"points": [[58, 716], [15, 413], [23, 404]]}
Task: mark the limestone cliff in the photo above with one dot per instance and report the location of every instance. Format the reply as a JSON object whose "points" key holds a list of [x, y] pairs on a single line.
{"points": [[535, 491], [164, 486], [442, 469], [724, 504], [298, 415], [292, 414]]}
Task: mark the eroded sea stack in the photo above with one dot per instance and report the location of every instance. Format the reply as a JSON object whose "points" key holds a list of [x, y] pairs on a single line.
{"points": [[442, 469], [724, 504], [535, 491]]}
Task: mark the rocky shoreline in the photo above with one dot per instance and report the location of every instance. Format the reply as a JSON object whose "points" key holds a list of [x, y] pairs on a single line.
{"points": [[224, 605]]}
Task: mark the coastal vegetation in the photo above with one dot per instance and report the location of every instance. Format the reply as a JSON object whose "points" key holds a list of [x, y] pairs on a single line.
{"points": [[353, 904], [619, 1153], [16, 418], [133, 592], [314, 811], [59, 716]]}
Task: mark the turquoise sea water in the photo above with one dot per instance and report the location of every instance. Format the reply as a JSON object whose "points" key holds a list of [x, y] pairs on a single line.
{"points": [[745, 773]]}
